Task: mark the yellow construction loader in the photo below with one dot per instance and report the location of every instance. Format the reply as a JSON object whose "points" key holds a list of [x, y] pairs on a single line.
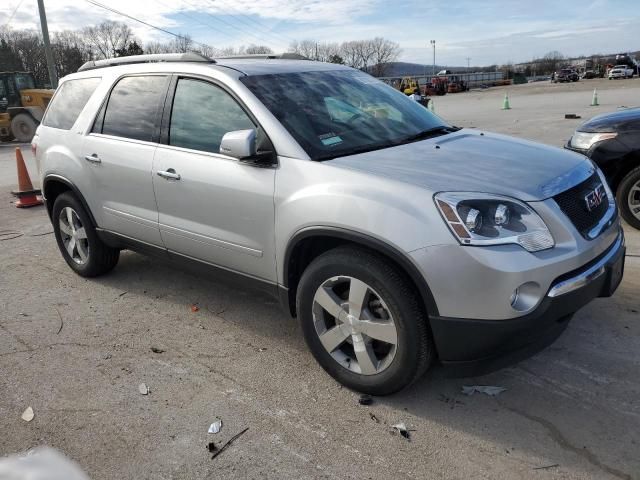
{"points": [[21, 106]]}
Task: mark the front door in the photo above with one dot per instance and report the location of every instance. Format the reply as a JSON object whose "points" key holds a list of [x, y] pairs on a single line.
{"points": [[118, 156], [212, 207]]}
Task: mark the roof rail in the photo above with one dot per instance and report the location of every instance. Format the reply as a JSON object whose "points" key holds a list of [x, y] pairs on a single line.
{"points": [[265, 56], [157, 57]]}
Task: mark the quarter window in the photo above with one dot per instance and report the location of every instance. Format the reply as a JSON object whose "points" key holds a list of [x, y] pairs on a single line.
{"points": [[132, 109], [68, 102], [202, 113]]}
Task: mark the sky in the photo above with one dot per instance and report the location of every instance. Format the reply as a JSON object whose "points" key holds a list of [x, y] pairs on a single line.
{"points": [[486, 31]]}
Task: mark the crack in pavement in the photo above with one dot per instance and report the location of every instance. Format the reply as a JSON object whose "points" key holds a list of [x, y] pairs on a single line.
{"points": [[561, 440]]}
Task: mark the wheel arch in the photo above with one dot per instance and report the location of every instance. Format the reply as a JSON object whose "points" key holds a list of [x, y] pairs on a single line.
{"points": [[34, 112], [54, 185], [308, 243], [629, 162]]}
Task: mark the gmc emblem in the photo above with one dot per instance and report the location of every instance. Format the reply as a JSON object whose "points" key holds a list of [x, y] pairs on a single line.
{"points": [[594, 198]]}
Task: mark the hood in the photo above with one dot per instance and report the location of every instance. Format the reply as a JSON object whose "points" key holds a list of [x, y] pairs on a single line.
{"points": [[469, 160], [610, 122]]}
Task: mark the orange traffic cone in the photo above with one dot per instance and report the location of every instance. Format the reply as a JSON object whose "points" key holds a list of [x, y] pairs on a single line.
{"points": [[27, 195]]}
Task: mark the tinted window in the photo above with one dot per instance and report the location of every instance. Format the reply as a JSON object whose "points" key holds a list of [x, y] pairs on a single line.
{"points": [[335, 113], [69, 101], [133, 106], [202, 113]]}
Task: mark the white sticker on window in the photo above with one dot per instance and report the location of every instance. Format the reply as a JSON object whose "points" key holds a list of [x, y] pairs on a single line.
{"points": [[330, 139]]}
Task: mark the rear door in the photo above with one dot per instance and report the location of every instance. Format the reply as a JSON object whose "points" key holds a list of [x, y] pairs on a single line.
{"points": [[212, 207], [119, 155]]}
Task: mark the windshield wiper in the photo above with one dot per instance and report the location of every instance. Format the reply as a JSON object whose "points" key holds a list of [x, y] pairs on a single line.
{"points": [[429, 133]]}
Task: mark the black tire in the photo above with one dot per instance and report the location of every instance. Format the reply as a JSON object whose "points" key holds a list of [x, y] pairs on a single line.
{"points": [[100, 257], [414, 351], [630, 180], [23, 127]]}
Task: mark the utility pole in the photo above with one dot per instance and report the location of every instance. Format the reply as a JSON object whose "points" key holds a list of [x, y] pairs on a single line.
{"points": [[53, 78], [433, 44], [468, 64]]}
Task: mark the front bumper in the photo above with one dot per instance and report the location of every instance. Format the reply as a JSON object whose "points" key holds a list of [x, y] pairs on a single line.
{"points": [[472, 347]]}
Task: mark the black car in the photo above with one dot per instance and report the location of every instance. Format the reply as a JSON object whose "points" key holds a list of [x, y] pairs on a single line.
{"points": [[612, 141]]}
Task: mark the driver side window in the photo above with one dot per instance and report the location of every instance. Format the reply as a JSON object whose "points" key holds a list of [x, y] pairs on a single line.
{"points": [[202, 113]]}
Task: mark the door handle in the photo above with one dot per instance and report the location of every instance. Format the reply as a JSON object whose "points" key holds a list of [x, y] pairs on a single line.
{"points": [[93, 158], [170, 173]]}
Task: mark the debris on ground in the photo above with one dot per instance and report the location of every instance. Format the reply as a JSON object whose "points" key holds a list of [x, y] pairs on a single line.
{"points": [[122, 294], [547, 466], [157, 350], [374, 418], [106, 356], [571, 116], [492, 391], [262, 349], [401, 428], [28, 414], [229, 442], [215, 426], [22, 314], [143, 389], [365, 399], [452, 402], [211, 447], [195, 308], [61, 321]]}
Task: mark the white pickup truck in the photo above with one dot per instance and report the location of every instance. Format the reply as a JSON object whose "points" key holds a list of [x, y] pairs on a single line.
{"points": [[620, 71]]}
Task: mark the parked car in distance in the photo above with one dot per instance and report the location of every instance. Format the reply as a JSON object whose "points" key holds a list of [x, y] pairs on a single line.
{"points": [[612, 141], [620, 71], [565, 75], [588, 74], [397, 240]]}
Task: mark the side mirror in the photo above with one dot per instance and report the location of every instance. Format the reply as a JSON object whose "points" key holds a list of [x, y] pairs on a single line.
{"points": [[241, 144]]}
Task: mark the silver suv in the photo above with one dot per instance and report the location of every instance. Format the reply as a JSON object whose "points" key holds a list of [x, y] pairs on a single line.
{"points": [[396, 239]]}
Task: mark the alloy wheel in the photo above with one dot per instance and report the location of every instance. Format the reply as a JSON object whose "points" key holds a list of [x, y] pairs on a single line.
{"points": [[74, 235], [633, 200], [355, 325]]}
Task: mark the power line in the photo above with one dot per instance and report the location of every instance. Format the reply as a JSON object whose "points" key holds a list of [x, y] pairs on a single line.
{"points": [[117, 12], [208, 24], [234, 27], [14, 13], [242, 16]]}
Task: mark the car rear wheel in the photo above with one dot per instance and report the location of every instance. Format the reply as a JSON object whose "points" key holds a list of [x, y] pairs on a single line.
{"points": [[628, 197], [77, 240], [363, 322]]}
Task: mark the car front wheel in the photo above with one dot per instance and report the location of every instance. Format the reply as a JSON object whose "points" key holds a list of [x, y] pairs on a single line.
{"points": [[628, 197], [363, 321], [77, 239]]}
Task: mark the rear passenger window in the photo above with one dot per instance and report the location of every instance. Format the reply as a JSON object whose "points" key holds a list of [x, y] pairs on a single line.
{"points": [[132, 109], [69, 101], [202, 113]]}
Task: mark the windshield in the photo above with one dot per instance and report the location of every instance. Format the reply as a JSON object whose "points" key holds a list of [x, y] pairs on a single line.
{"points": [[24, 81], [338, 113]]}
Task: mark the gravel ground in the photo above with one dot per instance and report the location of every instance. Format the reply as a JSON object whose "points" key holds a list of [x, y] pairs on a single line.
{"points": [[76, 350]]}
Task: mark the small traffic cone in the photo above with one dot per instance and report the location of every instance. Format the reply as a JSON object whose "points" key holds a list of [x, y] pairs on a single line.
{"points": [[594, 99], [27, 195], [505, 102]]}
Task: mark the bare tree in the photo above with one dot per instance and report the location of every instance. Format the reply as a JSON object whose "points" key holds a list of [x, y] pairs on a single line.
{"points": [[258, 49], [384, 52], [350, 53], [181, 44], [108, 37], [551, 62]]}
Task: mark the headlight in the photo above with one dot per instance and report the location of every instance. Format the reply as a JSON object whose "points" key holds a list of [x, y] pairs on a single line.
{"points": [[487, 219], [583, 140]]}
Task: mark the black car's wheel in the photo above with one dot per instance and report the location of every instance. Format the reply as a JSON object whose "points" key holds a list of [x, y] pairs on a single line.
{"points": [[363, 322], [628, 197], [79, 244]]}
